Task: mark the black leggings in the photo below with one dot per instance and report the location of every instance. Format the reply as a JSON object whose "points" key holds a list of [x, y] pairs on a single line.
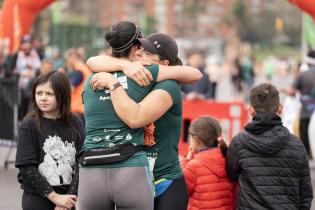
{"points": [[175, 197], [36, 202]]}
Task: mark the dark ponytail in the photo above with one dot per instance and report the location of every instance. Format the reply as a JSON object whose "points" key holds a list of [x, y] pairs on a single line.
{"points": [[121, 37], [223, 146], [177, 62], [112, 37]]}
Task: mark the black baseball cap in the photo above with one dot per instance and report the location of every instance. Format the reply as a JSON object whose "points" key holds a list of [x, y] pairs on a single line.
{"points": [[162, 45]]}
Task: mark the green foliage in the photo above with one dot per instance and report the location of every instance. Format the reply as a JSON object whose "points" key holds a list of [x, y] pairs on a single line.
{"points": [[281, 51], [148, 24], [66, 36], [239, 10], [260, 28]]}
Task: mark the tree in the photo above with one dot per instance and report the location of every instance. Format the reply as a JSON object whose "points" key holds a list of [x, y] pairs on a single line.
{"points": [[260, 28]]}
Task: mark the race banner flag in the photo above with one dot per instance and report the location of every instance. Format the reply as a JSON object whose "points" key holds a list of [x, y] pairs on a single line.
{"points": [[306, 5], [17, 17], [17, 30]]}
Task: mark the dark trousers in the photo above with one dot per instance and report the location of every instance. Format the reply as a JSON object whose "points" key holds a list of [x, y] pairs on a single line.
{"points": [[304, 134], [23, 107], [175, 197], [36, 202]]}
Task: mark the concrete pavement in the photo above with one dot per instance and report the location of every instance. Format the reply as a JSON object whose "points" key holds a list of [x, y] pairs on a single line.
{"points": [[11, 194]]}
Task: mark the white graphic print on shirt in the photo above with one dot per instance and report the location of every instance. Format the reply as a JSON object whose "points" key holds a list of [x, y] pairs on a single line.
{"points": [[58, 161], [123, 81]]}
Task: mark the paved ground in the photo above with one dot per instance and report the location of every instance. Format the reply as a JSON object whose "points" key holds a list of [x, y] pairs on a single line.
{"points": [[10, 193]]}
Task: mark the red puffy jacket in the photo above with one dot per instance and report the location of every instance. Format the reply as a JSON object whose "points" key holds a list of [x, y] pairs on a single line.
{"points": [[207, 182]]}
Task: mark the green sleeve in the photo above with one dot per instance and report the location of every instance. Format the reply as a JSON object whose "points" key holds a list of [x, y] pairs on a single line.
{"points": [[86, 86], [172, 87], [154, 69]]}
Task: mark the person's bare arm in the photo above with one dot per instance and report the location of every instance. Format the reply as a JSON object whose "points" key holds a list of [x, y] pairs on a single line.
{"points": [[182, 74], [104, 63], [134, 70], [137, 72], [135, 115]]}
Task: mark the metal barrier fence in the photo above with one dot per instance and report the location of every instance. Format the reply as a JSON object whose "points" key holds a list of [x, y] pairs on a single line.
{"points": [[8, 114], [66, 36]]}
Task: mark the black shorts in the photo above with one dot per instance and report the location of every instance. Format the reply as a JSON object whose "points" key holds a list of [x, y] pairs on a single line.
{"points": [[175, 197]]}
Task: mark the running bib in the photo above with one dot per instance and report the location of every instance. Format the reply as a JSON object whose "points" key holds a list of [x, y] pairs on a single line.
{"points": [[151, 163]]}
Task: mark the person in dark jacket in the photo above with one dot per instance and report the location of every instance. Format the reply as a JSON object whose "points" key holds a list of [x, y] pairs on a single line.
{"points": [[305, 85], [202, 89], [270, 164]]}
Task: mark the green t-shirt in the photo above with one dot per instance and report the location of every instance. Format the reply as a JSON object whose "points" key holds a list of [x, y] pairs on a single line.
{"points": [[103, 126], [167, 135]]}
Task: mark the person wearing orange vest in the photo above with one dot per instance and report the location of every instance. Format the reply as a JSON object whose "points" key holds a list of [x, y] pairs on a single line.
{"points": [[78, 73]]}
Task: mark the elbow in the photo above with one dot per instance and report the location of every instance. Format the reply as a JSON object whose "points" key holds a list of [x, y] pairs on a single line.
{"points": [[137, 119], [199, 75], [90, 62], [134, 123], [134, 126]]}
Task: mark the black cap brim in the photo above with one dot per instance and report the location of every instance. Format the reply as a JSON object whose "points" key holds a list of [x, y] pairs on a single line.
{"points": [[147, 46]]}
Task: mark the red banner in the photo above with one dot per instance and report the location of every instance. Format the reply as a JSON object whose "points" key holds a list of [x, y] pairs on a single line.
{"points": [[232, 116], [17, 17]]}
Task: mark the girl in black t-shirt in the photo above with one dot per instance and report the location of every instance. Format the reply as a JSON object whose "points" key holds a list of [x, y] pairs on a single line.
{"points": [[49, 139]]}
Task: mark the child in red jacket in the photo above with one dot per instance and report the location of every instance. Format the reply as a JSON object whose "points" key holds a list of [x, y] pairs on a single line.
{"points": [[204, 167]]}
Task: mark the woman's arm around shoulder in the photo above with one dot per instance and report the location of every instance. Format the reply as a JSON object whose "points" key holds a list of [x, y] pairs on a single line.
{"points": [[183, 74], [137, 72], [104, 63]]}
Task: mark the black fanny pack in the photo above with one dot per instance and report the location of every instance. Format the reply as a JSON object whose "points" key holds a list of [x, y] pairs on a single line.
{"points": [[106, 155]]}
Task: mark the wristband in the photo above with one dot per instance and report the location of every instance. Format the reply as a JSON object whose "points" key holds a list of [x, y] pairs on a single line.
{"points": [[116, 85]]}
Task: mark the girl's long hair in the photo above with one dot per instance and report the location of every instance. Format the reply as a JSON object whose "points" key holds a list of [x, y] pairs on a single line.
{"points": [[62, 90], [208, 130]]}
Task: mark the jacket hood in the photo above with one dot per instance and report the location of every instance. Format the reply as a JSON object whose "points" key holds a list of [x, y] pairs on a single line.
{"points": [[213, 160], [269, 142], [265, 134], [263, 122]]}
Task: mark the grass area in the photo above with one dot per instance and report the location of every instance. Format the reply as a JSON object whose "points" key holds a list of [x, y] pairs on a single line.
{"points": [[278, 51]]}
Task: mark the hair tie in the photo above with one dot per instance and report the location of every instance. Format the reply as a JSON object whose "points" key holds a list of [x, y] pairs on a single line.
{"points": [[126, 46]]}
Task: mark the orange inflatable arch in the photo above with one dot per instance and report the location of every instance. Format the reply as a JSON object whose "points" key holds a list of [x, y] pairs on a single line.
{"points": [[306, 5], [16, 18]]}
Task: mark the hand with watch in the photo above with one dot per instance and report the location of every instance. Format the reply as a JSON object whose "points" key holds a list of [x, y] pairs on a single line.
{"points": [[114, 86], [104, 80]]}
